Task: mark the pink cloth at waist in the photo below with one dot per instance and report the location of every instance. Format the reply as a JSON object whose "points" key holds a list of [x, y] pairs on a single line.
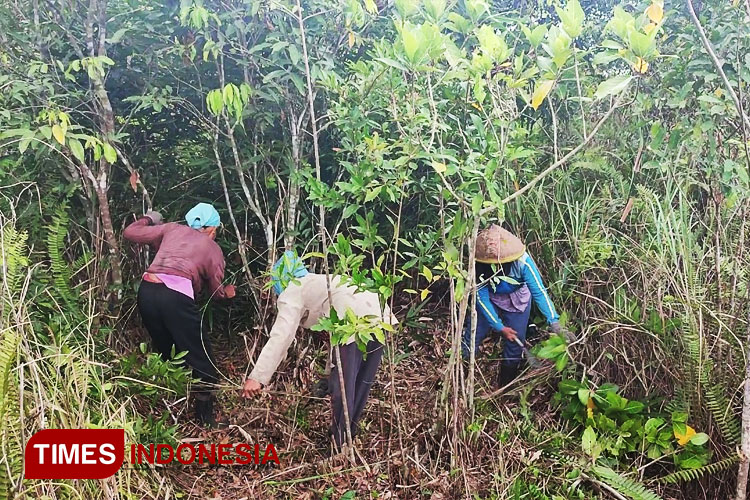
{"points": [[176, 283], [514, 302]]}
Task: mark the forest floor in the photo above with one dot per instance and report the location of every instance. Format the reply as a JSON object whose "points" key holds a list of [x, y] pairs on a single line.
{"points": [[411, 464]]}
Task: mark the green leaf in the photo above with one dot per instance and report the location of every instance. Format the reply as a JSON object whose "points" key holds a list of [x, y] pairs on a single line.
{"points": [[588, 440], [23, 144], [536, 35], [228, 94], [605, 57], [406, 7], [434, 9], [372, 193], [699, 439], [583, 396], [612, 86], [551, 351], [77, 149], [392, 62], [294, 54], [652, 424], [558, 46], [411, 42], [110, 154], [349, 210], [634, 407], [117, 36], [46, 131], [569, 387], [371, 6], [572, 18], [622, 23], [439, 167], [476, 204], [640, 43], [492, 43], [510, 280], [611, 44]]}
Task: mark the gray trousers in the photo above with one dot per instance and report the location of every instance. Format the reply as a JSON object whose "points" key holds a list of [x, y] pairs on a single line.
{"points": [[359, 375]]}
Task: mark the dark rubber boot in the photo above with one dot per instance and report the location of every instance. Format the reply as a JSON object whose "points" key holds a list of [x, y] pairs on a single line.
{"points": [[508, 373], [320, 388], [204, 412]]}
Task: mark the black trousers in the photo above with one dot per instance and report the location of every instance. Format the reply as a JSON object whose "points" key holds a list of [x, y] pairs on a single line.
{"points": [[173, 319], [359, 375]]}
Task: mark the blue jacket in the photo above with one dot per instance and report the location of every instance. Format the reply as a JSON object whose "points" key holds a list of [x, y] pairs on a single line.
{"points": [[524, 271]]}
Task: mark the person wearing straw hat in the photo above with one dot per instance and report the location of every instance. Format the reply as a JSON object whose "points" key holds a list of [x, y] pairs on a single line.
{"points": [[508, 282], [303, 300], [187, 257]]}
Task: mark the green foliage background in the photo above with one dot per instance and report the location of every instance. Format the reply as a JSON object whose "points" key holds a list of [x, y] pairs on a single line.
{"points": [[434, 119]]}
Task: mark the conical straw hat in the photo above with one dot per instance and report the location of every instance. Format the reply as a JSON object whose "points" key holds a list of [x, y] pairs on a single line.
{"points": [[496, 245]]}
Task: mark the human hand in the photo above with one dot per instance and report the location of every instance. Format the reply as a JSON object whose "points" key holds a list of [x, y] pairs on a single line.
{"points": [[251, 388], [155, 217], [230, 291], [509, 333]]}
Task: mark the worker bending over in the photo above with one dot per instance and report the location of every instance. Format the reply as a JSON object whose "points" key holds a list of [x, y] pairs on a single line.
{"points": [[507, 282], [303, 299], [186, 258]]}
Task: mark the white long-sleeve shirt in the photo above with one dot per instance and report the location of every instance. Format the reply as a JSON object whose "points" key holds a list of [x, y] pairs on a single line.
{"points": [[304, 302]]}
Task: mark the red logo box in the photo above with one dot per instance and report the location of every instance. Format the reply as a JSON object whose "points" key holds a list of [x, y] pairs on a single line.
{"points": [[74, 453]]}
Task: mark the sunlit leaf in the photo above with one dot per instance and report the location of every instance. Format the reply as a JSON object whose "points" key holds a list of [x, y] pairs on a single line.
{"points": [[684, 438], [540, 92], [411, 41], [590, 407], [612, 86], [58, 133], [572, 18], [649, 28], [640, 65], [699, 439], [588, 440], [109, 153], [371, 6], [76, 149], [655, 12]]}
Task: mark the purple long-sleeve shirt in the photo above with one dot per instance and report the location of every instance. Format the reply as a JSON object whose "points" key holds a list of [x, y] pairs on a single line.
{"points": [[182, 251]]}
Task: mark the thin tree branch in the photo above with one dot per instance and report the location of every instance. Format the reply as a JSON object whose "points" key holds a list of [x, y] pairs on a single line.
{"points": [[717, 64], [561, 161]]}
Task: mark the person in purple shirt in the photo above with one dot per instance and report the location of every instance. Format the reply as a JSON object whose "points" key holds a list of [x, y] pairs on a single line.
{"points": [[508, 282], [187, 258]]}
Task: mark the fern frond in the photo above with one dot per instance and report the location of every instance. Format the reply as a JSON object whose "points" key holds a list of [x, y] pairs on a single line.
{"points": [[13, 258], [623, 485], [11, 464], [684, 476], [61, 274], [720, 408]]}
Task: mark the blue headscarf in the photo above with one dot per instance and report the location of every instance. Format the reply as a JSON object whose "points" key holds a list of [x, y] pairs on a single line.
{"points": [[202, 215], [288, 267]]}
